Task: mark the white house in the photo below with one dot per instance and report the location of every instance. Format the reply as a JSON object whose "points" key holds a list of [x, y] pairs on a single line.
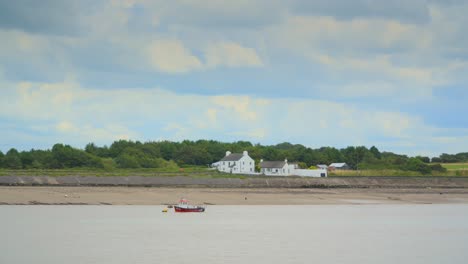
{"points": [[283, 168], [240, 163], [277, 168]]}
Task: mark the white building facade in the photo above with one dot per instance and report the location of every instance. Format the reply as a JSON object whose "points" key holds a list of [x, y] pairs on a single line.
{"points": [[283, 168], [238, 163], [277, 168]]}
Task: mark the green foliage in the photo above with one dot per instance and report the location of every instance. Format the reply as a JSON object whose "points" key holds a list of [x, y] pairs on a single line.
{"points": [[438, 168], [12, 160], [415, 164], [302, 165], [168, 155], [127, 161], [375, 152], [424, 159], [68, 157], [108, 164], [449, 158]]}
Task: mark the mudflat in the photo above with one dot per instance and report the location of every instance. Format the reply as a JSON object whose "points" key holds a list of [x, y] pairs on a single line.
{"points": [[84, 195]]}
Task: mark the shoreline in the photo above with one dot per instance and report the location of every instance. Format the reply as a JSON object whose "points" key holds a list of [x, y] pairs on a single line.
{"points": [[178, 181], [85, 195]]}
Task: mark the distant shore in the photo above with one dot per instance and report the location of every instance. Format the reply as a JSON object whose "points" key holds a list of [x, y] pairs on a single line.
{"points": [[57, 195]]}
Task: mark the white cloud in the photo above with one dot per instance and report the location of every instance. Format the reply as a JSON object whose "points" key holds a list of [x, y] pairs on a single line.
{"points": [[232, 55], [172, 57], [212, 114], [240, 105], [73, 114], [382, 65], [98, 134]]}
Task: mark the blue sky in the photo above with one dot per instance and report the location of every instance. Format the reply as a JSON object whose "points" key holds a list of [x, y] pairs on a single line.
{"points": [[320, 73]]}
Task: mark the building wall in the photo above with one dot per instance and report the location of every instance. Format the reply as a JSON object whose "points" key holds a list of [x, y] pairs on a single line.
{"points": [[246, 165], [289, 170], [311, 173], [285, 171]]}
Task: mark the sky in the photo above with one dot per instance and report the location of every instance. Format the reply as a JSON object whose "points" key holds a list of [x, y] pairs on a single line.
{"points": [[393, 74]]}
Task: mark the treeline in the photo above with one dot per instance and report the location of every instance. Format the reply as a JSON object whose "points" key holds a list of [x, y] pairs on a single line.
{"points": [[172, 155]]}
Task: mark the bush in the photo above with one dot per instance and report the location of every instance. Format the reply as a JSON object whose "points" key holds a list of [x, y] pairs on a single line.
{"points": [[438, 168], [127, 161], [415, 164]]}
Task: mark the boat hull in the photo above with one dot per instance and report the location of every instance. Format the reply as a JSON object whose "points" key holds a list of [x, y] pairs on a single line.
{"points": [[189, 210]]}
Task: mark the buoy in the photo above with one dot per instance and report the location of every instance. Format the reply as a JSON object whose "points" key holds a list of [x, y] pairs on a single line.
{"points": [[164, 210]]}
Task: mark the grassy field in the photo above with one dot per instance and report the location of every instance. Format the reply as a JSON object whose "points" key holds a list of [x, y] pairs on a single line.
{"points": [[196, 172], [370, 173], [454, 169], [455, 166]]}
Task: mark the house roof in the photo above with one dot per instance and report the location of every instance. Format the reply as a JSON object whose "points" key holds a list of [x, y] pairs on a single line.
{"points": [[272, 164], [338, 165], [323, 166], [232, 157]]}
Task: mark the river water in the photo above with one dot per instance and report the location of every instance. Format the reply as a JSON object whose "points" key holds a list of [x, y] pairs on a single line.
{"points": [[235, 234]]}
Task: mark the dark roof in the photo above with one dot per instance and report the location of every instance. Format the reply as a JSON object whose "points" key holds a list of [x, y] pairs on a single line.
{"points": [[233, 157], [272, 164]]}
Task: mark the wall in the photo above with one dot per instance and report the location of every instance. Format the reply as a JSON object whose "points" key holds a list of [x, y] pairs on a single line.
{"points": [[249, 182], [310, 173]]}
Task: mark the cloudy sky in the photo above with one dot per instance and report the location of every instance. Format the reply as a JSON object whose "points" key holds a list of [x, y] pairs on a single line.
{"points": [[393, 74]]}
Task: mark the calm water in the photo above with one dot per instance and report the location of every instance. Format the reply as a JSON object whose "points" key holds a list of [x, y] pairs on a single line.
{"points": [[235, 234]]}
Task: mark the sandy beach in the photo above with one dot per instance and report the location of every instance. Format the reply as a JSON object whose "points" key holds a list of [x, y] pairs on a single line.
{"points": [[27, 195]]}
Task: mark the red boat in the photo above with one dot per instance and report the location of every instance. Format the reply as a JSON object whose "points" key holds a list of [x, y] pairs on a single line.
{"points": [[185, 207]]}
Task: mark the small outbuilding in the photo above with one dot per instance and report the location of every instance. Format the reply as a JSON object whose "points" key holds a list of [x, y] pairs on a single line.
{"points": [[277, 168], [322, 166], [339, 166]]}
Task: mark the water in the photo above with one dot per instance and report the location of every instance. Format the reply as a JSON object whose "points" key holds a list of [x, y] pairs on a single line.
{"points": [[235, 234]]}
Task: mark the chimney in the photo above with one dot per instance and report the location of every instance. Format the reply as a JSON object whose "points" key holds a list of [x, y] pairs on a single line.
{"points": [[261, 160], [245, 153], [286, 160], [228, 153]]}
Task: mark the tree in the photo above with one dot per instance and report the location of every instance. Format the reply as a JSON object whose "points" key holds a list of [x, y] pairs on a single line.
{"points": [[12, 160], [118, 146], [354, 155], [1, 159], [447, 158], [424, 159], [375, 151], [127, 161], [68, 157], [27, 159]]}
